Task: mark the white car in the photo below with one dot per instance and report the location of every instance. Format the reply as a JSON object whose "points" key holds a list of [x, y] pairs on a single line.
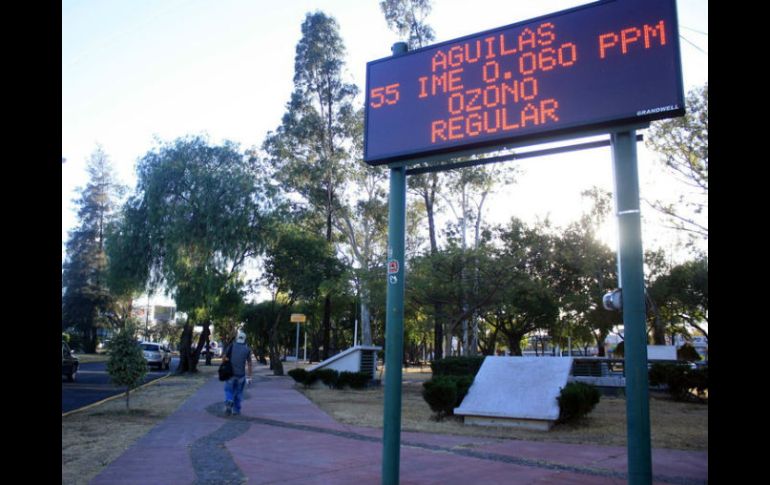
{"points": [[156, 354]]}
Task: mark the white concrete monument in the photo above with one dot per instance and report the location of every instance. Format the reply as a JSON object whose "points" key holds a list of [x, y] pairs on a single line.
{"points": [[517, 392]]}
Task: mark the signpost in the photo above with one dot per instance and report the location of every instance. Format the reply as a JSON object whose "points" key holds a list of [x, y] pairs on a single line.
{"points": [[298, 318], [608, 67], [594, 66]]}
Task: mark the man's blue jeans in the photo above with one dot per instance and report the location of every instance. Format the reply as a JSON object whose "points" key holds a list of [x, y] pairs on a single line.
{"points": [[234, 392]]}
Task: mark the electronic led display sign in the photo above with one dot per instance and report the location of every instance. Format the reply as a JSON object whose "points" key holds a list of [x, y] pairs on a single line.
{"points": [[599, 65]]}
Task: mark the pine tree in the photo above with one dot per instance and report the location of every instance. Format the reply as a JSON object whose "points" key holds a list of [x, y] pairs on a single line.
{"points": [[85, 296]]}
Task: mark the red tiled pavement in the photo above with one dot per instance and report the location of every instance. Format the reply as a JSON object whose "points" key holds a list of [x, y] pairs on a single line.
{"points": [[322, 451]]}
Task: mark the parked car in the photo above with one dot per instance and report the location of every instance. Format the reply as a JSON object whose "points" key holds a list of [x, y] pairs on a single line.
{"points": [[69, 362], [156, 354]]}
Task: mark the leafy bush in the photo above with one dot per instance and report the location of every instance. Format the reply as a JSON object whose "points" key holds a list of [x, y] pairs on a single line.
{"points": [[444, 393], [126, 365], [679, 379], [457, 366], [299, 375], [687, 352], [327, 376], [576, 400], [441, 395], [356, 380]]}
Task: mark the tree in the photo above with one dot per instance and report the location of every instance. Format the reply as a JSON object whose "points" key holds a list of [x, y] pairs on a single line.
{"points": [[298, 265], [126, 365], [683, 143], [682, 296], [363, 221], [407, 18], [86, 299], [200, 212], [309, 151]]}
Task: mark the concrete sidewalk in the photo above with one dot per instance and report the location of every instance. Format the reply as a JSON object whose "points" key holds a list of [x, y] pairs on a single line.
{"points": [[282, 437]]}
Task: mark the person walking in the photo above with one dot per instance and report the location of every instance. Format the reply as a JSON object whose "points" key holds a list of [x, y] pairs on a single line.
{"points": [[239, 355]]}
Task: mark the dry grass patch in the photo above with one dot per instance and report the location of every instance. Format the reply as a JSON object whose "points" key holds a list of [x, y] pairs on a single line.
{"points": [[93, 438], [674, 425]]}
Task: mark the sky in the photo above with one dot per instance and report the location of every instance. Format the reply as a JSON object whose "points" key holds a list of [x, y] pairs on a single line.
{"points": [[137, 71]]}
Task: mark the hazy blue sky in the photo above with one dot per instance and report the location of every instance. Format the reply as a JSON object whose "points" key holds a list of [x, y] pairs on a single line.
{"points": [[139, 69]]}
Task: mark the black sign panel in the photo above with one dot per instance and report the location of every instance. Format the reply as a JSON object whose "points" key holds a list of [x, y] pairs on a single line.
{"points": [[600, 65]]}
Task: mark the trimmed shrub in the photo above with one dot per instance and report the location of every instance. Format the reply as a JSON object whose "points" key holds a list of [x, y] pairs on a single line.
{"points": [[299, 375], [457, 366], [576, 400], [680, 379], [687, 352], [356, 380], [444, 393], [327, 376], [441, 395], [463, 384]]}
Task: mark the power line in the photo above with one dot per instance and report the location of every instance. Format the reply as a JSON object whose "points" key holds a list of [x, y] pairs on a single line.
{"points": [[692, 44], [694, 30]]}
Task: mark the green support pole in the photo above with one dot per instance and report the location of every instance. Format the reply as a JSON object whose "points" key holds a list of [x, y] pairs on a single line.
{"points": [[631, 277], [394, 318], [394, 328]]}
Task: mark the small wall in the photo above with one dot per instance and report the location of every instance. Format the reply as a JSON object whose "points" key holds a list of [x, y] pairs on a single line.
{"points": [[348, 360]]}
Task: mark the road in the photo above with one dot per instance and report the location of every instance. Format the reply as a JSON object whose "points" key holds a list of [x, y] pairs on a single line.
{"points": [[93, 384]]}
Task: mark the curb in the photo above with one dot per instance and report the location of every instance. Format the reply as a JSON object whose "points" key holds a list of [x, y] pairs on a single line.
{"points": [[92, 405]]}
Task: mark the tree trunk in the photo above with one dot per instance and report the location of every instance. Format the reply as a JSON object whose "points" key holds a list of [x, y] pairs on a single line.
{"points": [[366, 321], [327, 326], [273, 347]]}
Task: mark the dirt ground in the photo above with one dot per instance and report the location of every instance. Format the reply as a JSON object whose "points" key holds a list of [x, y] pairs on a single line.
{"points": [[93, 438], [674, 425]]}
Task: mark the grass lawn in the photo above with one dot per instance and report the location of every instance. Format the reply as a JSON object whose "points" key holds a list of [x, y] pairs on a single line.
{"points": [[674, 425], [93, 438]]}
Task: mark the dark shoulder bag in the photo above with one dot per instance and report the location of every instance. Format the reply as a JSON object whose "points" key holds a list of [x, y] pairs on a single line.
{"points": [[226, 368]]}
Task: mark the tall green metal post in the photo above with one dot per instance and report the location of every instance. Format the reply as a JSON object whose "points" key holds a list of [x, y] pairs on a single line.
{"points": [[394, 318], [631, 277], [394, 328]]}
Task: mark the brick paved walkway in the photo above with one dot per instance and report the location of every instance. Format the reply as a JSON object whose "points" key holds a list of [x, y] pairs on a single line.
{"points": [[281, 438]]}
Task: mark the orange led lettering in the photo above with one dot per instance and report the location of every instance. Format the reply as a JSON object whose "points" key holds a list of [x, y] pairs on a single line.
{"points": [[423, 82], [506, 126], [651, 31], [503, 50], [490, 47], [527, 63], [546, 59], [437, 130], [567, 50], [529, 113], [548, 110], [628, 36], [487, 127], [527, 38], [438, 81], [605, 42], [439, 60], [455, 56], [528, 88], [454, 82], [513, 89], [468, 57], [392, 91], [456, 103], [378, 94], [455, 127], [544, 34], [472, 106], [495, 72], [473, 124], [491, 103]]}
